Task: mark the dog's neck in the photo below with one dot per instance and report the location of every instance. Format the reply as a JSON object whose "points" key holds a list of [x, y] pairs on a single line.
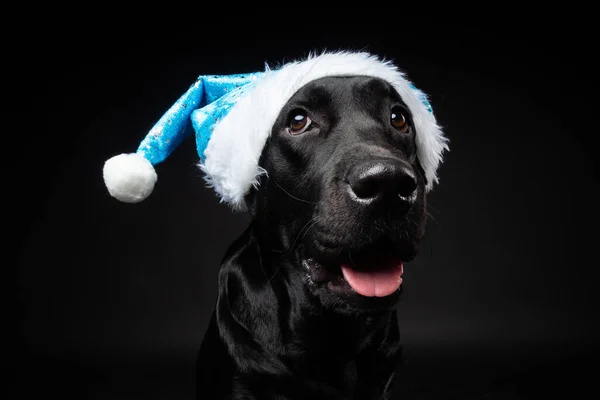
{"points": [[289, 329]]}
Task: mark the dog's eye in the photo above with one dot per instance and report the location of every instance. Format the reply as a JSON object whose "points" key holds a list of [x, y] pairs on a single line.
{"points": [[299, 122], [398, 120]]}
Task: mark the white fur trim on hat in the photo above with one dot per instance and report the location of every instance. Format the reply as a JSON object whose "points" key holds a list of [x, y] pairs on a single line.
{"points": [[232, 155]]}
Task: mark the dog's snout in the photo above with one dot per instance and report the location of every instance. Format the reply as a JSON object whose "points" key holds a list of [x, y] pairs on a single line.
{"points": [[379, 179]]}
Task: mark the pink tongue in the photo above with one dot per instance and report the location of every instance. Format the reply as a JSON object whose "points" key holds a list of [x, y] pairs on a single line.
{"points": [[374, 283]]}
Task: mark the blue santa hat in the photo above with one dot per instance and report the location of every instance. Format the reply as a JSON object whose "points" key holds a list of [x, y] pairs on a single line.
{"points": [[232, 117]]}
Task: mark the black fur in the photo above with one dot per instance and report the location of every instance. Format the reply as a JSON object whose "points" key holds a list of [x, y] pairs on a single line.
{"points": [[285, 325]]}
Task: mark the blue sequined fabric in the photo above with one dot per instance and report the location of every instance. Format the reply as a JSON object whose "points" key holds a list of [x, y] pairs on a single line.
{"points": [[206, 101]]}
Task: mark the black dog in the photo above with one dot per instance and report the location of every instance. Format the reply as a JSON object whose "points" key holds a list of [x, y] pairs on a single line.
{"points": [[307, 294]]}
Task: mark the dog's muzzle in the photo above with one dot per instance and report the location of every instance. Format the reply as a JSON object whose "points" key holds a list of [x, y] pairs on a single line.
{"points": [[380, 191]]}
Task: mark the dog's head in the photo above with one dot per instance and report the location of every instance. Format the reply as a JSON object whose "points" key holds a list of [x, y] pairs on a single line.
{"points": [[344, 193], [349, 147]]}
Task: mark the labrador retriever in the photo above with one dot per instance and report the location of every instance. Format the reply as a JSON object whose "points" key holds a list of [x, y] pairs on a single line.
{"points": [[307, 295]]}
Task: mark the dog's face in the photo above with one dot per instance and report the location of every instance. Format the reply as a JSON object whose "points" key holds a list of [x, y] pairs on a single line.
{"points": [[345, 193]]}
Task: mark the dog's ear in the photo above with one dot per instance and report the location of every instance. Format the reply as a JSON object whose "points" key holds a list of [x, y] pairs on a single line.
{"points": [[252, 197], [250, 201], [244, 292]]}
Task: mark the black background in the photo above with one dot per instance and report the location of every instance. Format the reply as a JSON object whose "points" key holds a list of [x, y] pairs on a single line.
{"points": [[113, 299]]}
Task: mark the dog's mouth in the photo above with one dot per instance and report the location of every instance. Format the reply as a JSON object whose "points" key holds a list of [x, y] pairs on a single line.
{"points": [[375, 271]]}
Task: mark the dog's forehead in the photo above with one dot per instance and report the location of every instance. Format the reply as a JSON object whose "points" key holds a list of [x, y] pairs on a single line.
{"points": [[329, 88]]}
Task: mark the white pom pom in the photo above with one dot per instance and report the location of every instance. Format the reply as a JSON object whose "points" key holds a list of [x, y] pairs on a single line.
{"points": [[129, 177]]}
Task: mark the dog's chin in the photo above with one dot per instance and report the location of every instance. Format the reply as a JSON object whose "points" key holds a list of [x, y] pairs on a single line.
{"points": [[357, 279]]}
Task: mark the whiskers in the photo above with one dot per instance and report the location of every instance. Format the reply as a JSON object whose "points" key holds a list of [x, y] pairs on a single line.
{"points": [[296, 242], [274, 274], [302, 233], [292, 196], [306, 226], [430, 210]]}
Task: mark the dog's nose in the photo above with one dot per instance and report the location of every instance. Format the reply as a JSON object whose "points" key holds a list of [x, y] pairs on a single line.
{"points": [[384, 178]]}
